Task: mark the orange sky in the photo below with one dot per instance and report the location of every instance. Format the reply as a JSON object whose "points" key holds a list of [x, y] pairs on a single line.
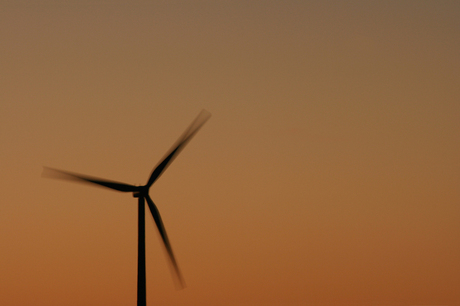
{"points": [[328, 174]]}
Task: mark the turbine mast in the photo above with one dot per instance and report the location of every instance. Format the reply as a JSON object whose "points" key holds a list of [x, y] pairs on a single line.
{"points": [[141, 281]]}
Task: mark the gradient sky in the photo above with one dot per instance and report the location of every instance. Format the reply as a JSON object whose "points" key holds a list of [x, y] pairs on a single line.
{"points": [[328, 174]]}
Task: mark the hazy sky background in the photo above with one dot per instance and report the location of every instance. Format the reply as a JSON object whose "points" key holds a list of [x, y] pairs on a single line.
{"points": [[328, 174]]}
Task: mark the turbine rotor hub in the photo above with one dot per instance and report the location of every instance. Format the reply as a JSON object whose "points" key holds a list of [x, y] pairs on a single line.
{"points": [[142, 192]]}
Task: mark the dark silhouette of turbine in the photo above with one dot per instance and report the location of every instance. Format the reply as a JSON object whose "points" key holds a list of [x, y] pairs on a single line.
{"points": [[142, 192]]}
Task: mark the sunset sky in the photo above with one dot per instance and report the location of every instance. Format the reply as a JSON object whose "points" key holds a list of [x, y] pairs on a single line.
{"points": [[328, 174]]}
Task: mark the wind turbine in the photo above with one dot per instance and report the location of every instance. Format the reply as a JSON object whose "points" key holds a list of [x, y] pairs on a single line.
{"points": [[142, 193]]}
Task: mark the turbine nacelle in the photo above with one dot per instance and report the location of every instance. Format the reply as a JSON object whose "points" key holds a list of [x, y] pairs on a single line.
{"points": [[142, 192]]}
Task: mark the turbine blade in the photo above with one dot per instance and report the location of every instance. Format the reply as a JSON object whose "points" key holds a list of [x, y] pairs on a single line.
{"points": [[180, 284], [58, 174], [179, 145]]}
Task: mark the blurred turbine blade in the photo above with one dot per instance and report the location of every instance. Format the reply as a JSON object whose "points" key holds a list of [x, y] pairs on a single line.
{"points": [[58, 174], [179, 145], [179, 281]]}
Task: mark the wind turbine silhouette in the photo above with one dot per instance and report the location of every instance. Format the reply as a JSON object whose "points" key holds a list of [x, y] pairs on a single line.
{"points": [[142, 192]]}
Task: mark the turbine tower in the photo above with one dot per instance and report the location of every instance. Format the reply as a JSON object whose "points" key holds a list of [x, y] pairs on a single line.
{"points": [[142, 194]]}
